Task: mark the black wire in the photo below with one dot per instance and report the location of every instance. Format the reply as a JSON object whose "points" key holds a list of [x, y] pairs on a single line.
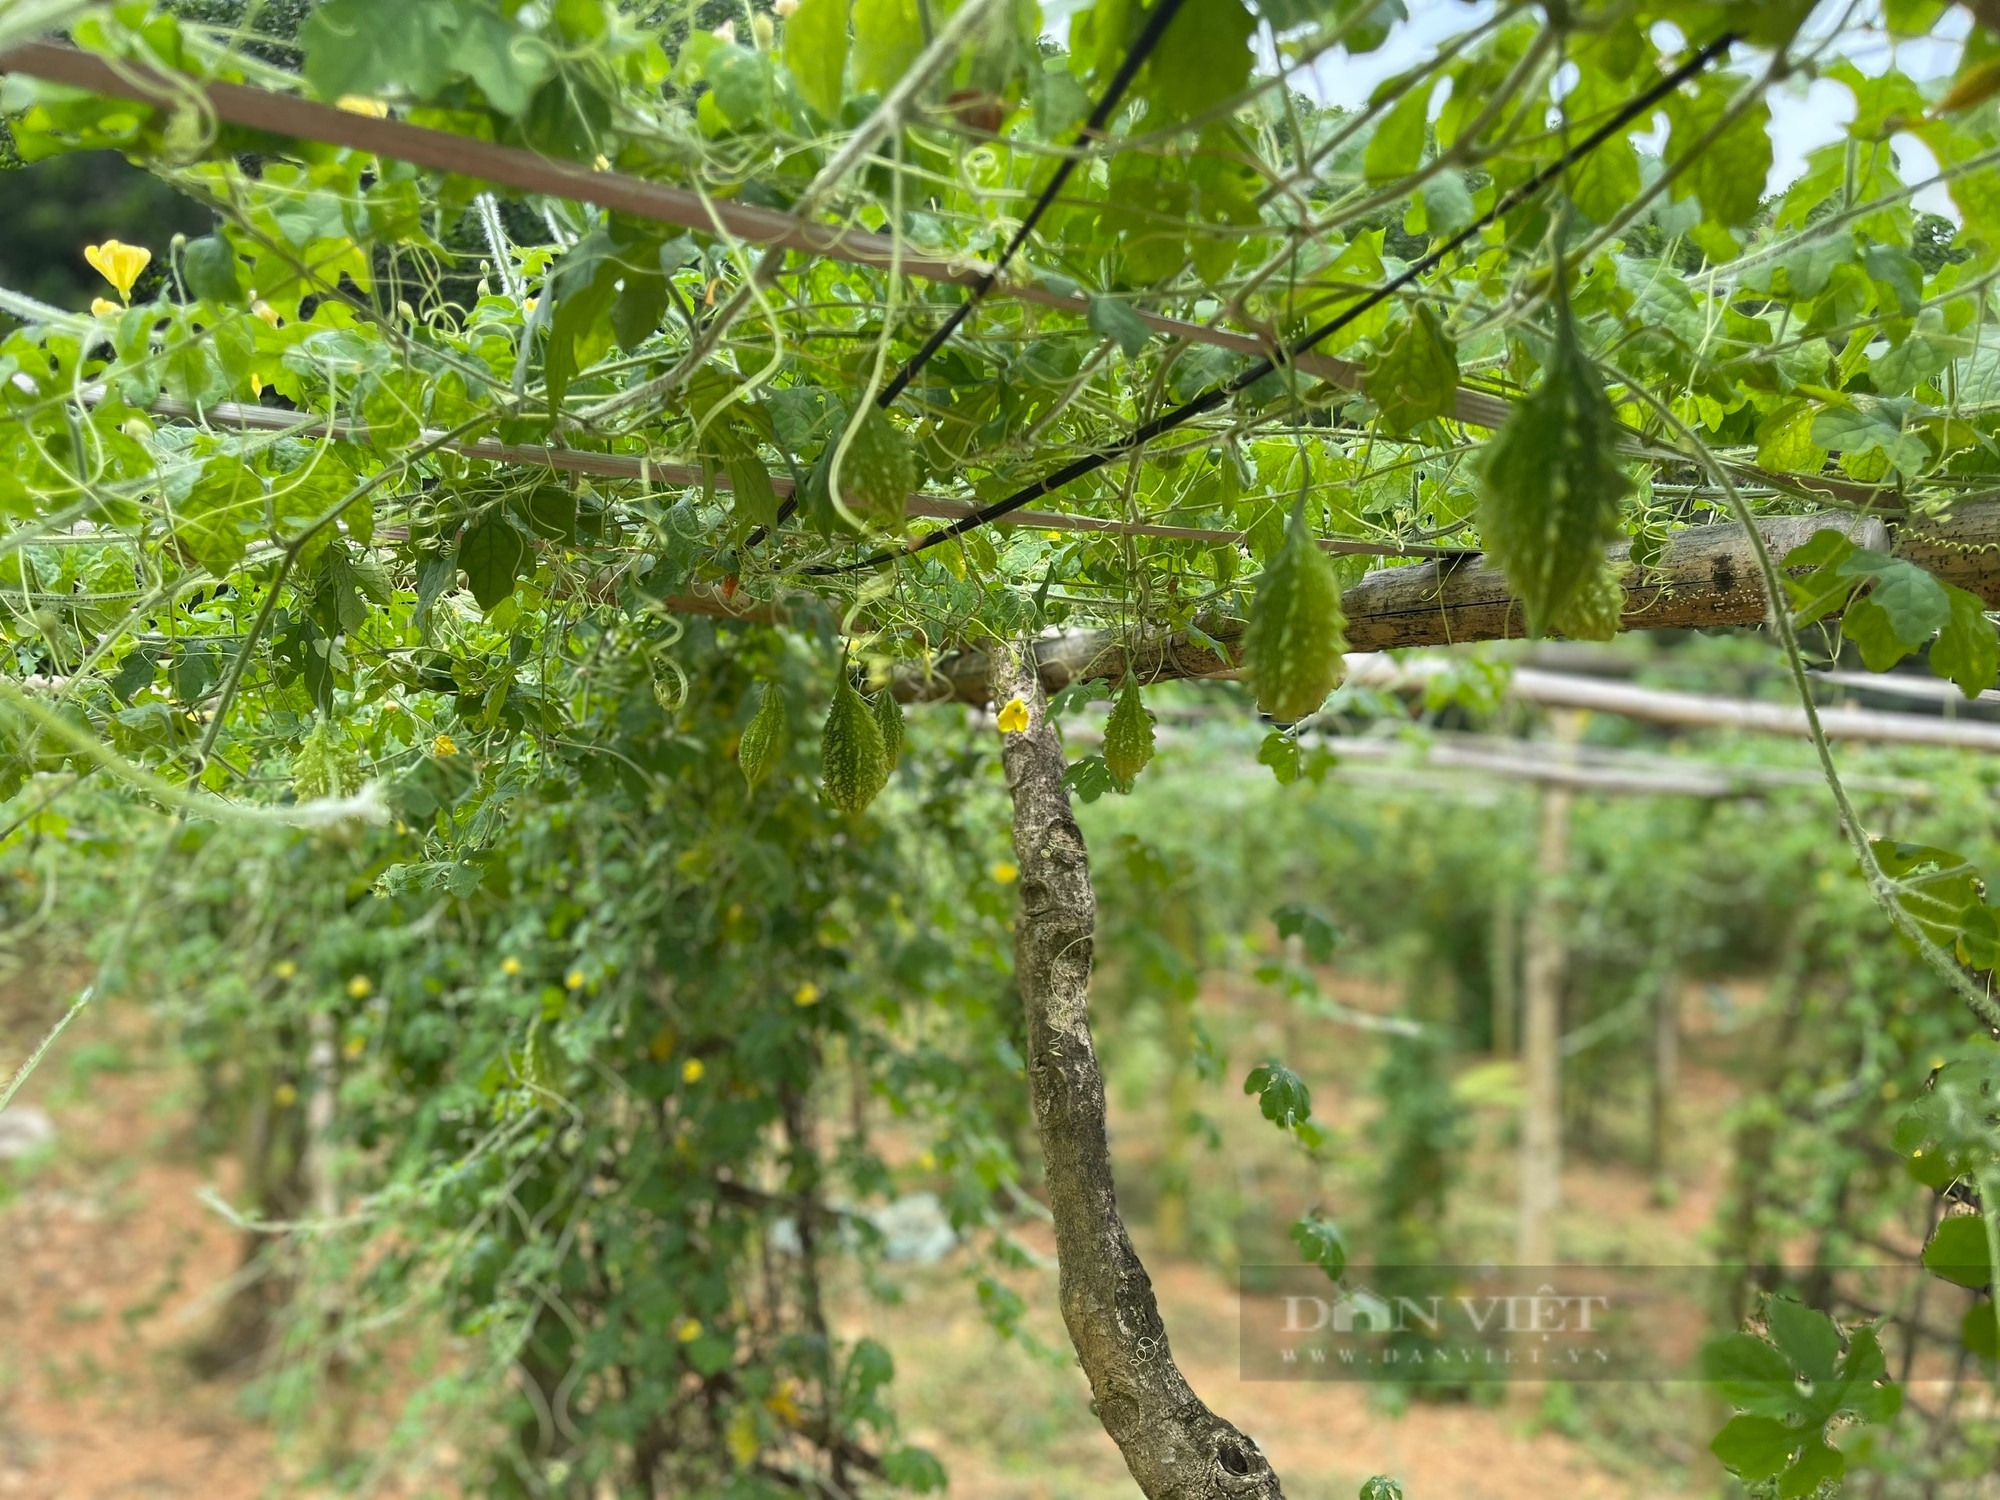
{"points": [[1215, 396], [1135, 58], [1142, 47]]}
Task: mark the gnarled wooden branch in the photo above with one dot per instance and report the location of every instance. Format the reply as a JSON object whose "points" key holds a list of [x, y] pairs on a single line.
{"points": [[1176, 1448]]}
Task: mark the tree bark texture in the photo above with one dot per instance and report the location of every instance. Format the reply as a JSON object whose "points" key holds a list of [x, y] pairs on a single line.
{"points": [[1176, 1448], [1541, 1026]]}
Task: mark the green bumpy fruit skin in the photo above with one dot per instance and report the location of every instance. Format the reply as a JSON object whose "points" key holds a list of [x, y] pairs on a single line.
{"points": [[1593, 611], [1550, 492], [853, 763], [763, 737], [889, 719], [1128, 737], [1292, 648], [878, 473]]}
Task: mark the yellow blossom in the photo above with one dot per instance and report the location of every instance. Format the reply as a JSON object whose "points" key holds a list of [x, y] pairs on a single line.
{"points": [[783, 1402], [284, 968], [444, 747], [104, 307], [267, 312], [1003, 872], [510, 966], [284, 1096], [688, 1330], [573, 979], [356, 1045], [600, 163], [119, 264], [806, 994], [692, 1070], [361, 104], [927, 1161], [784, 7], [360, 986], [1014, 717]]}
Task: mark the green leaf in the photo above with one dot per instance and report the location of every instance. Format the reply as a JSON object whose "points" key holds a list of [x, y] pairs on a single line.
{"points": [[493, 554], [1959, 1253], [1417, 377], [887, 38], [1914, 601], [1203, 59], [508, 63], [1728, 173], [815, 51], [1550, 488], [1282, 1095], [585, 283], [1754, 1448], [1749, 1373], [221, 512], [1397, 147], [1967, 650], [1825, 589], [1818, 1464], [208, 266], [741, 81], [1804, 1335], [1321, 1242], [1115, 320], [1089, 778], [371, 47], [1381, 1487], [1319, 935], [1280, 752]]}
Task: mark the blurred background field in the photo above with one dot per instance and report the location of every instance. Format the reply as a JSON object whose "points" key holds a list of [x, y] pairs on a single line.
{"points": [[157, 1348]]}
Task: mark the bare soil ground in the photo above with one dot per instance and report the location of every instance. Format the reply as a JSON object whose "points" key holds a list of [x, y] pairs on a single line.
{"points": [[110, 1267]]}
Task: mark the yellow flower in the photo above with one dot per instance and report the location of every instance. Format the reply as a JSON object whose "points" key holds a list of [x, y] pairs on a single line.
{"points": [[688, 1330], [927, 1161], [359, 986], [573, 979], [119, 264], [284, 1096], [600, 163], [510, 966], [806, 994], [361, 104], [692, 1070], [444, 747], [356, 1045], [284, 968], [1003, 872], [104, 307], [783, 1402], [267, 312], [1014, 717]]}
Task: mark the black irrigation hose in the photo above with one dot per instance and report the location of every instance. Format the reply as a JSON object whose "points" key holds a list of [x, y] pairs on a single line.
{"points": [[1135, 59], [1215, 396]]}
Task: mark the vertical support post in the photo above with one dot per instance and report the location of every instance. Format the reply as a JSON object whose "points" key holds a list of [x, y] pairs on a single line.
{"points": [[1505, 957], [1541, 1019]]}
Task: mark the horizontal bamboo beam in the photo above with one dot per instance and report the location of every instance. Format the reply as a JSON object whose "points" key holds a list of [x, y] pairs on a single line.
{"points": [[1707, 576], [524, 171], [640, 469], [1703, 710]]}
